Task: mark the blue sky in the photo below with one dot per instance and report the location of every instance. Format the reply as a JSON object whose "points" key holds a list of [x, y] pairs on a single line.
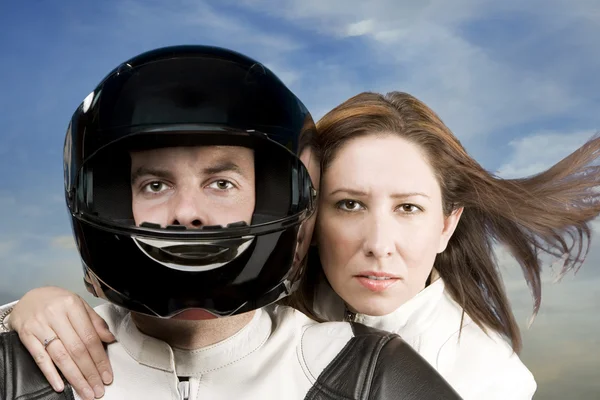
{"points": [[517, 82]]}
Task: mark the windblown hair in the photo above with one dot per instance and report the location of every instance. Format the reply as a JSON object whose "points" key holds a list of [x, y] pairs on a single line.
{"points": [[546, 213]]}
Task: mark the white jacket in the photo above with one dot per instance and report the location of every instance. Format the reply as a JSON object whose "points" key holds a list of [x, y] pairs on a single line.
{"points": [[147, 368], [278, 355], [477, 366]]}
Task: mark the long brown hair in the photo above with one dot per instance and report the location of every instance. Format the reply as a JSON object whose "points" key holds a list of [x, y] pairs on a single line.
{"points": [[546, 213]]}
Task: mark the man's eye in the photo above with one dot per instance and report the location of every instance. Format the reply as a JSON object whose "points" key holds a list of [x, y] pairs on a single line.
{"points": [[155, 187], [221, 184], [349, 205]]}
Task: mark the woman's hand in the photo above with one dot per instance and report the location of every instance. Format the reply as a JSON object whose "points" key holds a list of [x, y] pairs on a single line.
{"points": [[73, 333]]}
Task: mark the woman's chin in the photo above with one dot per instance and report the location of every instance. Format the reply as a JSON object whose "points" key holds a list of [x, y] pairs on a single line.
{"points": [[376, 308]]}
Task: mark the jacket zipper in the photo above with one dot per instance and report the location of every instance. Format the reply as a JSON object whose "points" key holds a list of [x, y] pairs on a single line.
{"points": [[184, 390], [350, 316]]}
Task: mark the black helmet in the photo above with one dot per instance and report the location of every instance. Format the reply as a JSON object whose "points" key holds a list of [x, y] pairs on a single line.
{"points": [[180, 96]]}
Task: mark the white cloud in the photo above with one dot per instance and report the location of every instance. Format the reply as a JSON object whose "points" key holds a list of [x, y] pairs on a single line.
{"points": [[429, 55], [360, 28], [63, 242], [535, 153], [288, 76], [199, 19]]}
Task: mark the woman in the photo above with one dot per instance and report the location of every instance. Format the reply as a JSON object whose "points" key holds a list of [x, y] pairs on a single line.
{"points": [[406, 227]]}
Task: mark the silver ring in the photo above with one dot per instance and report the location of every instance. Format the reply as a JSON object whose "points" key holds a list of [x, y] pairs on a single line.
{"points": [[48, 341]]}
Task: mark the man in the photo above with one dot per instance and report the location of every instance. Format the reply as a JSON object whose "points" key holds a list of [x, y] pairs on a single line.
{"points": [[187, 203]]}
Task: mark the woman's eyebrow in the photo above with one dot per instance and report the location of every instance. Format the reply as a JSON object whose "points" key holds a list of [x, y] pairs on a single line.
{"points": [[360, 193]]}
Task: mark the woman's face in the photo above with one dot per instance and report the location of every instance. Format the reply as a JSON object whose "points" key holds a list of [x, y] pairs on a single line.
{"points": [[380, 223]]}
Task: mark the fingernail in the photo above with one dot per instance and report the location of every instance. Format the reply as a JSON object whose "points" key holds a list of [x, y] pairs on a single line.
{"points": [[58, 386], [106, 377], [98, 391], [88, 394]]}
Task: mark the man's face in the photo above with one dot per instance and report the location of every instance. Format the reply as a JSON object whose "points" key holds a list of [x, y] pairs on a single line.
{"points": [[193, 186]]}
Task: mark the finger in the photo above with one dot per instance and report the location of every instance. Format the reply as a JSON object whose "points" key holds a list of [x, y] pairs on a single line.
{"points": [[77, 349], [84, 327], [100, 325], [65, 363], [43, 360]]}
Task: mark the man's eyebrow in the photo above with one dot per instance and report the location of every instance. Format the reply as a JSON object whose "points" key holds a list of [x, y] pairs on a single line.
{"points": [[223, 166], [149, 171]]}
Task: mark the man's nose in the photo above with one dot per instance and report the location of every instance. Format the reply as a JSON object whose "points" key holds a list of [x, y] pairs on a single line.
{"points": [[188, 209]]}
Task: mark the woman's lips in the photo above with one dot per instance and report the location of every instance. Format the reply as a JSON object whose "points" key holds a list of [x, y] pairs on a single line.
{"points": [[377, 281]]}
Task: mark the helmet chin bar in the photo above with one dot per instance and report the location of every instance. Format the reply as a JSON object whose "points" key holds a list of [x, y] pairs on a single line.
{"points": [[193, 256], [98, 288]]}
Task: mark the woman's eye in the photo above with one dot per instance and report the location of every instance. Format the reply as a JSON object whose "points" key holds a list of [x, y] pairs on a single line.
{"points": [[349, 205], [221, 184], [409, 208]]}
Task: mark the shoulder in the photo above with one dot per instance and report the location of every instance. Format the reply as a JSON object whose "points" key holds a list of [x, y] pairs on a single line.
{"points": [[320, 343], [112, 314], [317, 344], [483, 362], [20, 376], [375, 364]]}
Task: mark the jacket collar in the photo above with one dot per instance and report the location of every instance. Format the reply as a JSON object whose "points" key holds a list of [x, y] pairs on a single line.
{"points": [[410, 319], [158, 354]]}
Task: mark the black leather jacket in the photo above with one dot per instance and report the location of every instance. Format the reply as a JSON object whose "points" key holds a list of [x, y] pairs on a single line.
{"points": [[374, 365]]}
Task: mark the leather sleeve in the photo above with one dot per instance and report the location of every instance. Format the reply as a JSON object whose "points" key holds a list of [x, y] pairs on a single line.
{"points": [[377, 365], [20, 377]]}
